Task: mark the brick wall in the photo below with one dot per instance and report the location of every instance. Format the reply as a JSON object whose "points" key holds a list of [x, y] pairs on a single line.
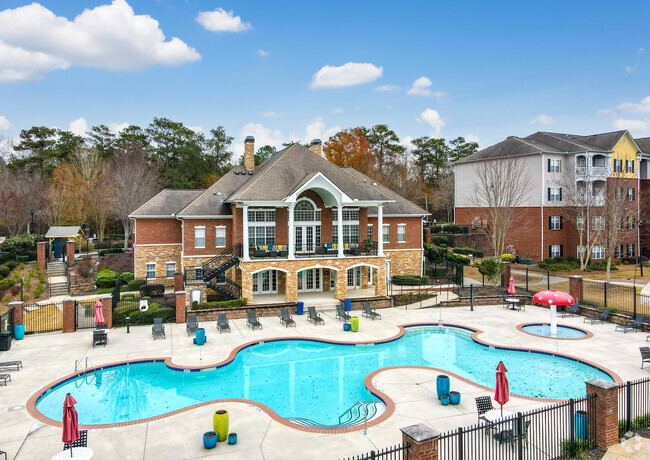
{"points": [[210, 236], [413, 231], [117, 262], [158, 231]]}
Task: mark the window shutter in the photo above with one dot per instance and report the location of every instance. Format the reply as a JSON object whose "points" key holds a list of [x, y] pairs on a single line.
{"points": [[548, 167], [560, 194], [550, 250], [549, 194], [550, 223], [561, 250], [561, 222], [560, 165]]}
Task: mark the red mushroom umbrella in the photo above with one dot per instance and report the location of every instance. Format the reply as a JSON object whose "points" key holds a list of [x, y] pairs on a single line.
{"points": [[502, 390], [511, 286], [553, 299], [70, 424], [99, 315]]}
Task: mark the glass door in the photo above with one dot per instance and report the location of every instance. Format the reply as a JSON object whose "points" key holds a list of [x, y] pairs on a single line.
{"points": [[354, 278], [310, 280], [265, 282], [307, 238]]}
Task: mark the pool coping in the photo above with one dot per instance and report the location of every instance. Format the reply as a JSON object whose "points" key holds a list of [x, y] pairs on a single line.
{"points": [[390, 405], [520, 328]]}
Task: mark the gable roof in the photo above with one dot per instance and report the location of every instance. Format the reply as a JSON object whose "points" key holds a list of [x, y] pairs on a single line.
{"points": [[168, 202], [644, 144], [65, 231]]}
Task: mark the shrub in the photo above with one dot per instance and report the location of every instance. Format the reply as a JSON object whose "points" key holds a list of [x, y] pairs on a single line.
{"points": [[135, 285], [449, 228], [22, 258], [110, 251], [14, 290], [85, 266], [28, 285], [11, 264], [152, 290], [406, 280], [508, 258], [222, 304], [106, 278], [4, 271], [403, 299], [137, 317], [8, 282], [3, 288], [435, 228], [440, 240], [489, 267], [126, 277], [564, 266], [457, 258], [468, 251], [580, 447], [435, 253], [20, 266], [39, 290], [599, 266], [20, 247]]}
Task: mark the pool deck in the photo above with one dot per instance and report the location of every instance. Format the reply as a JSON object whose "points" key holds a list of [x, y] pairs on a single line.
{"points": [[47, 357]]}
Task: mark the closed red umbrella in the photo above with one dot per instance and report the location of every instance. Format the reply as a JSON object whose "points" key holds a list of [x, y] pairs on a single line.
{"points": [[99, 315], [502, 391], [511, 287], [70, 424]]}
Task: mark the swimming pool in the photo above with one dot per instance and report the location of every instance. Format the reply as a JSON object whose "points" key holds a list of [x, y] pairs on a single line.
{"points": [[563, 332], [310, 382]]}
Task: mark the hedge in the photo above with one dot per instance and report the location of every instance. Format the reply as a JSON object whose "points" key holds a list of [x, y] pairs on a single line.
{"points": [[403, 299], [4, 271], [135, 285], [126, 277], [457, 258], [468, 251], [137, 317], [406, 280], [439, 240], [221, 304], [106, 278], [8, 282], [152, 290], [445, 228], [435, 253], [103, 252]]}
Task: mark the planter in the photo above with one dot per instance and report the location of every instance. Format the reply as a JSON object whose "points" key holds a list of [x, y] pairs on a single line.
{"points": [[200, 336], [300, 307], [220, 424], [19, 331], [348, 304], [232, 438], [346, 327], [442, 386], [445, 400], [454, 397], [209, 439], [354, 324]]}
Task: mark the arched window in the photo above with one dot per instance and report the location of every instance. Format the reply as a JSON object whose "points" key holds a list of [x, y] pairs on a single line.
{"points": [[305, 211]]}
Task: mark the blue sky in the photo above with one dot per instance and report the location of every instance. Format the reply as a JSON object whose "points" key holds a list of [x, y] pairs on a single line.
{"points": [[297, 70]]}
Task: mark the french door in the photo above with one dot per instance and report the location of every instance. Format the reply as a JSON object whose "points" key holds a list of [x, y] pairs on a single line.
{"points": [[307, 238], [310, 280], [265, 282], [354, 278]]}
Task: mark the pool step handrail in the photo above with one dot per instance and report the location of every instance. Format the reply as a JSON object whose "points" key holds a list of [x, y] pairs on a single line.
{"points": [[354, 414], [78, 365]]}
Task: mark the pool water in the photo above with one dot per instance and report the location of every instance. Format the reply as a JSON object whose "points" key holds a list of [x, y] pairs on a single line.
{"points": [[563, 332], [311, 382]]}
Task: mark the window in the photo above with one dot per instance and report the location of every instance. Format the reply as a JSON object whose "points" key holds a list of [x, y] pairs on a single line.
{"points": [[348, 214], [305, 211], [599, 222], [599, 162], [629, 222], [620, 193], [220, 237], [555, 222], [151, 270], [618, 251], [629, 250], [618, 165], [401, 233], [350, 226], [171, 269], [629, 166], [369, 235], [598, 252], [555, 250], [554, 194], [630, 194], [199, 237], [580, 223], [261, 227], [198, 272], [554, 166], [386, 233], [580, 251]]}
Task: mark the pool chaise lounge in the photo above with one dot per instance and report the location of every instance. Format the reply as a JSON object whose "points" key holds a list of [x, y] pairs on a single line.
{"points": [[367, 311], [222, 323], [645, 355], [252, 320], [286, 318], [634, 326], [314, 316], [341, 313], [572, 312], [192, 325], [599, 319], [5, 377], [158, 328], [8, 364]]}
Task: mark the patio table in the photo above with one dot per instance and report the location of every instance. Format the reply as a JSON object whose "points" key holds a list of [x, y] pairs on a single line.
{"points": [[83, 453], [513, 303]]}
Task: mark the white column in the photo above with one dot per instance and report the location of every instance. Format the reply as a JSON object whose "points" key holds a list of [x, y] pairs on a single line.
{"points": [[553, 320], [245, 233], [291, 232], [339, 212], [380, 232]]}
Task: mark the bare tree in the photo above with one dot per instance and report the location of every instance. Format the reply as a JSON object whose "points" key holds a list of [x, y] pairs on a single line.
{"points": [[620, 216], [20, 192], [500, 192], [132, 182], [443, 193]]}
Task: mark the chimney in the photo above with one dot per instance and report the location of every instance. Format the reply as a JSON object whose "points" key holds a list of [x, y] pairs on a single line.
{"points": [[316, 146], [249, 153]]}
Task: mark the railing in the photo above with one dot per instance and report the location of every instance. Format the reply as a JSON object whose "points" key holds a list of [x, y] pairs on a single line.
{"points": [[624, 299], [592, 171], [398, 452], [306, 251], [232, 251], [43, 318], [229, 286], [633, 405]]}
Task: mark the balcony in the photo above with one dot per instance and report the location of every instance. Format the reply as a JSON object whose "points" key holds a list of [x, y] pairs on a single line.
{"points": [[592, 173], [325, 250]]}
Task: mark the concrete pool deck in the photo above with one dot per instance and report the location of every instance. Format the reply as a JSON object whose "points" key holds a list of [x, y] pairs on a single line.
{"points": [[47, 357]]}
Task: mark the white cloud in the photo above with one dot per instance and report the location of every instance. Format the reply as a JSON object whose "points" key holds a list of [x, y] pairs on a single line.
{"points": [[473, 138], [422, 87], [262, 53], [196, 129], [630, 107], [270, 114], [117, 128], [407, 141], [543, 120], [316, 130], [263, 136], [220, 20], [432, 117], [633, 68], [350, 74], [4, 123], [640, 126], [608, 112], [34, 41], [79, 126], [386, 88], [339, 110]]}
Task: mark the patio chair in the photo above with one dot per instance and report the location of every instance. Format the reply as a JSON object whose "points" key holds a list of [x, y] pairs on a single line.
{"points": [[4, 378], [571, 312], [367, 311], [7, 364], [341, 313], [286, 318], [645, 355], [521, 305], [102, 326], [599, 319], [634, 326], [222, 323], [483, 404], [100, 338], [158, 328], [314, 316], [513, 435], [81, 442], [192, 325], [252, 320], [504, 297]]}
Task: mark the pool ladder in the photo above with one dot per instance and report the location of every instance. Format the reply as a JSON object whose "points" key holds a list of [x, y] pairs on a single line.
{"points": [[354, 415], [84, 368]]}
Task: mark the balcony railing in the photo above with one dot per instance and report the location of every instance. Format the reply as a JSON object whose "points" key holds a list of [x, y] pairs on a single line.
{"points": [[592, 172], [329, 250]]}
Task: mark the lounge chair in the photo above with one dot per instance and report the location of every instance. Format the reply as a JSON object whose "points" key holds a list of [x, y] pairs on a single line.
{"points": [[575, 308], [599, 319], [483, 404], [192, 325], [286, 318], [252, 320], [222, 323], [314, 316], [645, 355], [7, 364], [81, 442], [367, 311], [504, 297], [4, 378], [100, 338], [158, 328], [341, 313], [634, 326]]}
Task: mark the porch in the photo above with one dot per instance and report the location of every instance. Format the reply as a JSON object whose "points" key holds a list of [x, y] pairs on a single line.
{"points": [[319, 299]]}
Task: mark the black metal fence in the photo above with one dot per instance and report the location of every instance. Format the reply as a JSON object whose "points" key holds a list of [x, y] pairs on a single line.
{"points": [[84, 314], [398, 452], [634, 405], [623, 299], [157, 307], [7, 322], [562, 430], [43, 318]]}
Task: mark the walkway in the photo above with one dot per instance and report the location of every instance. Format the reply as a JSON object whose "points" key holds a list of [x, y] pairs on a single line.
{"points": [[637, 448]]}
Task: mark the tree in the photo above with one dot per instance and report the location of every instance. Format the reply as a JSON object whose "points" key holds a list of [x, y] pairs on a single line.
{"points": [[350, 148], [264, 153], [103, 140], [132, 137], [443, 194], [20, 192], [423, 157], [44, 149], [500, 192], [618, 216], [460, 148], [385, 144]]}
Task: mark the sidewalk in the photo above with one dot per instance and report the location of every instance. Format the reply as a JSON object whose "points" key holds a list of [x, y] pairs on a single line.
{"points": [[637, 448]]}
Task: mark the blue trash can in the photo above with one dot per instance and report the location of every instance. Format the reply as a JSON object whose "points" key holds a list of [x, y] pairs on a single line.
{"points": [[200, 336], [301, 307], [581, 424], [19, 331], [348, 304]]}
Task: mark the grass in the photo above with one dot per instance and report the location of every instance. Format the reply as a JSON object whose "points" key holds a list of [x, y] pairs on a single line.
{"points": [[31, 291], [109, 290]]}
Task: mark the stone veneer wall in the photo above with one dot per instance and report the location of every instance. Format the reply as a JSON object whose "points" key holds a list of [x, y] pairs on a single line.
{"points": [[405, 262], [160, 254]]}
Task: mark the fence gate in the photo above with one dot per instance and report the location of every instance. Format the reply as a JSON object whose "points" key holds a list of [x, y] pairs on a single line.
{"points": [[84, 314], [43, 318]]}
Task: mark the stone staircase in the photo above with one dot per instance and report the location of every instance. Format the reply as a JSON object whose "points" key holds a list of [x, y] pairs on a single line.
{"points": [[57, 279]]}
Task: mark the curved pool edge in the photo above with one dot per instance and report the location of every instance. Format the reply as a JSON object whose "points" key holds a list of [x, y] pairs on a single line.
{"points": [[589, 335], [31, 408]]}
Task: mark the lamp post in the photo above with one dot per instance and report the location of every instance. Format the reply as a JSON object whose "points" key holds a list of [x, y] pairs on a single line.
{"points": [[31, 227]]}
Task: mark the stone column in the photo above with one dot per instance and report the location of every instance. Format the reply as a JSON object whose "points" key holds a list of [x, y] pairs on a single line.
{"points": [[69, 251], [107, 309], [379, 279], [40, 254], [339, 213], [423, 441], [178, 282], [341, 291], [181, 308], [245, 243], [576, 287], [69, 315], [291, 232], [605, 419], [247, 286], [291, 288], [18, 312], [364, 276], [380, 231]]}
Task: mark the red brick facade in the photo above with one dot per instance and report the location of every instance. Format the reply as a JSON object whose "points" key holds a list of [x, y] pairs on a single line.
{"points": [[158, 231]]}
